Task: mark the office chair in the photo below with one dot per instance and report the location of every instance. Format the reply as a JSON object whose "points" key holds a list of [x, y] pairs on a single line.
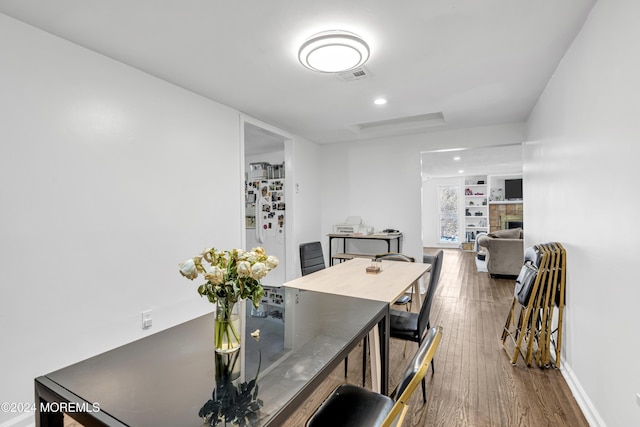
{"points": [[351, 405], [311, 257]]}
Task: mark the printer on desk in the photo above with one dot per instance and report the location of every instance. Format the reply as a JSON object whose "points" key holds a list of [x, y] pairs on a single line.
{"points": [[353, 225]]}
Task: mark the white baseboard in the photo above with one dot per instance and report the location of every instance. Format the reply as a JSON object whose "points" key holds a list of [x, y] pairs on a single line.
{"points": [[24, 420], [589, 411]]}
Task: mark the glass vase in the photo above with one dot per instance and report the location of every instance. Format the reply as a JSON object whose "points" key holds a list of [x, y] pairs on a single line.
{"points": [[227, 327]]}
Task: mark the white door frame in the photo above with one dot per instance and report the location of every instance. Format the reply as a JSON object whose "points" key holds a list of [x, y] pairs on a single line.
{"points": [[288, 193]]}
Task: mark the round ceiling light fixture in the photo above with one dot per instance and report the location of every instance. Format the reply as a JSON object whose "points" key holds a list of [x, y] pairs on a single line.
{"points": [[333, 52]]}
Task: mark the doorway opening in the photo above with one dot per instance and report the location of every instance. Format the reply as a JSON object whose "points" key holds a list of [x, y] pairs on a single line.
{"points": [[266, 193], [472, 178]]}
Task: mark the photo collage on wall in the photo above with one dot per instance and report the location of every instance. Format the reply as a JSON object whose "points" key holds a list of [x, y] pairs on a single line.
{"points": [[265, 206]]}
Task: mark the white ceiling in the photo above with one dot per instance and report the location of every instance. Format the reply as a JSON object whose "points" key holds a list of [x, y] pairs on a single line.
{"points": [[478, 62], [496, 160]]}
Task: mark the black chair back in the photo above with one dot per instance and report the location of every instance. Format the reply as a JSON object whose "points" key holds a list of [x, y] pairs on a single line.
{"points": [[419, 363], [394, 256], [434, 277], [311, 257]]}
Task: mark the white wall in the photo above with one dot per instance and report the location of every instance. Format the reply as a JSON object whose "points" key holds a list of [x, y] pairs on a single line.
{"points": [[308, 174], [380, 180], [109, 178], [581, 178]]}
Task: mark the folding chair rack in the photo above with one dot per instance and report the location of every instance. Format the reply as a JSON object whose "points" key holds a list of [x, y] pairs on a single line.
{"points": [[532, 334]]}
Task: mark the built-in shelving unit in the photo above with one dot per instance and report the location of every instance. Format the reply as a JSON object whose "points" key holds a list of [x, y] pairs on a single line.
{"points": [[476, 213]]}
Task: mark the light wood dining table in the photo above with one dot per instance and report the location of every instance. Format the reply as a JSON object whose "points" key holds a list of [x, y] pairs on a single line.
{"points": [[350, 278]]}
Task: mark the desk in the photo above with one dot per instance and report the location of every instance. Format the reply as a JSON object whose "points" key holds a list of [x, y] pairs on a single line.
{"points": [[350, 279], [346, 255], [164, 379]]}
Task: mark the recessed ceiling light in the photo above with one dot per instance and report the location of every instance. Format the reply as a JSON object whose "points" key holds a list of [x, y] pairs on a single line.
{"points": [[460, 171], [380, 101], [456, 158], [333, 52]]}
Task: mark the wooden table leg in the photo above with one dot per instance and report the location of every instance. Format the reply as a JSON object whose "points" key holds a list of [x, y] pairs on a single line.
{"points": [[379, 341]]}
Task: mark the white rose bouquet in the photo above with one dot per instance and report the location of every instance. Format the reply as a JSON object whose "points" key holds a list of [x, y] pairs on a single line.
{"points": [[230, 276]]}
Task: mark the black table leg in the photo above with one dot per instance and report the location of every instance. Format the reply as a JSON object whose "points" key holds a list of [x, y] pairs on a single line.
{"points": [[45, 417], [385, 334]]}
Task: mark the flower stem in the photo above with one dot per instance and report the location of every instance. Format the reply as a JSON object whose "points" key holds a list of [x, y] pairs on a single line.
{"points": [[226, 337]]}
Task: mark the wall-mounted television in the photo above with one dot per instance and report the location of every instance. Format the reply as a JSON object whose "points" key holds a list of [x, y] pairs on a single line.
{"points": [[513, 189]]}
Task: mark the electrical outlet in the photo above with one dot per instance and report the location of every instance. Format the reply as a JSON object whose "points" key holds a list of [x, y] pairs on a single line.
{"points": [[147, 321]]}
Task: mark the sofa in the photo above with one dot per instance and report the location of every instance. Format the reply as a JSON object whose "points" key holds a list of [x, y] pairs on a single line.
{"points": [[504, 251]]}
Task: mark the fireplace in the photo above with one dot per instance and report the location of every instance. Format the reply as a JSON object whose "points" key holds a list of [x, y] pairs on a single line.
{"points": [[511, 221], [504, 215]]}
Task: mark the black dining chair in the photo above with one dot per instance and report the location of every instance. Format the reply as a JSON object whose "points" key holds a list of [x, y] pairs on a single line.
{"points": [[351, 405], [411, 326], [394, 256], [311, 257], [403, 300]]}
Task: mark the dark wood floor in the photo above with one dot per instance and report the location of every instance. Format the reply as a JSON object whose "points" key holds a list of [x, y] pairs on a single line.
{"points": [[474, 383]]}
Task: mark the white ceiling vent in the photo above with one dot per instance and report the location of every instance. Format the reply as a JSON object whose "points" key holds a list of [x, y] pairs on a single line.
{"points": [[408, 123], [355, 74]]}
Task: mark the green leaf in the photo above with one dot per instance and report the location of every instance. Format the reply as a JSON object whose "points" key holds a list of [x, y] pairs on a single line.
{"points": [[257, 295]]}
